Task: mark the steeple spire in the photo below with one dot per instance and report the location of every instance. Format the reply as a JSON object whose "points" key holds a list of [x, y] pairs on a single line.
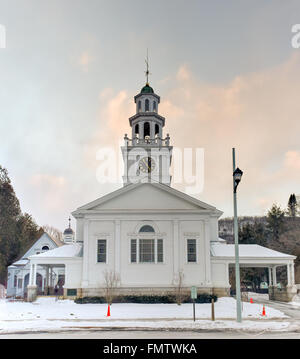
{"points": [[151, 158], [68, 235], [147, 69]]}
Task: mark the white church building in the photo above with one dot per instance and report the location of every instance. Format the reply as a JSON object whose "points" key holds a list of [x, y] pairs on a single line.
{"points": [[148, 232]]}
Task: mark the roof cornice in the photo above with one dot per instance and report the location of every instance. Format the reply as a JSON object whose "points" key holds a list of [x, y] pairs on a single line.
{"points": [[147, 114]]}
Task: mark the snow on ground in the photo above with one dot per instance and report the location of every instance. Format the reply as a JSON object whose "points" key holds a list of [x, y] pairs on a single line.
{"points": [[46, 313], [257, 296], [42, 325], [296, 301]]}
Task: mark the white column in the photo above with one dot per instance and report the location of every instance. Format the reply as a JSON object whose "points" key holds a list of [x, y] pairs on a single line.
{"points": [[47, 277], [274, 276], [152, 129], [292, 274], [141, 130], [207, 252], [288, 274], [85, 274], [30, 274], [117, 250], [176, 249], [34, 275], [270, 276], [227, 274]]}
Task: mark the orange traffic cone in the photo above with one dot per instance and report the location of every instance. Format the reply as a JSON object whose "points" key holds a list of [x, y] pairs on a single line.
{"points": [[108, 311], [264, 311], [251, 300]]}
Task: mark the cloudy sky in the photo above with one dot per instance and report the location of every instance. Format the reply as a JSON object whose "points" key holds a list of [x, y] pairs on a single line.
{"points": [[226, 72]]}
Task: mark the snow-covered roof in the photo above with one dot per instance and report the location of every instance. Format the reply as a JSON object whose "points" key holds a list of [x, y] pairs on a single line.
{"points": [[65, 251], [246, 251], [21, 262]]}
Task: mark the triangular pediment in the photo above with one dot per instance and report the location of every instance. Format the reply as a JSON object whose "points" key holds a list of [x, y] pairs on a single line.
{"points": [[146, 196]]}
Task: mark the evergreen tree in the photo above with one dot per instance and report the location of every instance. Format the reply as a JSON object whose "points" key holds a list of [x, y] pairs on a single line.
{"points": [[275, 221], [17, 231], [292, 208], [253, 234]]}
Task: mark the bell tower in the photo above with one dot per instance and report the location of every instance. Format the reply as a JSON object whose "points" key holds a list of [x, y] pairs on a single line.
{"points": [[147, 155]]}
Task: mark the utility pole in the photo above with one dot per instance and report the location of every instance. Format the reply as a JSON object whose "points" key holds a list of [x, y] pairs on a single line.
{"points": [[237, 175]]}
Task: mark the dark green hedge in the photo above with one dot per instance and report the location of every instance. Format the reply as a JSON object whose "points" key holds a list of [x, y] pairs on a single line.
{"points": [[150, 299], [85, 300]]}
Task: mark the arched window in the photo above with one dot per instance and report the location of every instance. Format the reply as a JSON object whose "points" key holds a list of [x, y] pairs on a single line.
{"points": [[139, 106], [154, 106], [45, 248], [136, 129], [146, 129], [146, 105], [147, 247], [146, 228]]}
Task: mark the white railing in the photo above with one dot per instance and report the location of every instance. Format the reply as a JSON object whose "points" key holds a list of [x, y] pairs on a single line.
{"points": [[157, 141]]}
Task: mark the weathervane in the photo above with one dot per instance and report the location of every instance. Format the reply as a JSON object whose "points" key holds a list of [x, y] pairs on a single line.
{"points": [[147, 71]]}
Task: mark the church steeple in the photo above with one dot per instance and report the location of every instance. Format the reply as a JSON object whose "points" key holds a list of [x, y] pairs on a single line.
{"points": [[147, 155], [68, 235]]}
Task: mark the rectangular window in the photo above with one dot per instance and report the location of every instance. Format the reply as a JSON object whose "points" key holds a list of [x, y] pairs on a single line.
{"points": [[160, 251], [133, 251], [101, 253], [71, 292], [20, 282], [191, 250], [147, 250]]}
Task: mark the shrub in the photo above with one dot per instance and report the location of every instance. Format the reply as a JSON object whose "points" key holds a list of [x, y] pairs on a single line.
{"points": [[147, 299], [202, 298], [86, 300]]}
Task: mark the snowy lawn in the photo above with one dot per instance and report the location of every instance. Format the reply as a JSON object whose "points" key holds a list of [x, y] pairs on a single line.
{"points": [[48, 314]]}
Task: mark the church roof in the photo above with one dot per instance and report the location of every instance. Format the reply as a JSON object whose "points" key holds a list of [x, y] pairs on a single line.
{"points": [[68, 231], [57, 242], [65, 251], [147, 89], [21, 262], [193, 202], [247, 251]]}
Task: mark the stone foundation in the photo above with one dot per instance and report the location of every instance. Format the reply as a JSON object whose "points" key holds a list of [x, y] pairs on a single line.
{"points": [[31, 293], [221, 292], [282, 294]]}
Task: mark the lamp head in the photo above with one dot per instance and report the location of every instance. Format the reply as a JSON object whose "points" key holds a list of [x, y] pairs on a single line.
{"points": [[237, 176]]}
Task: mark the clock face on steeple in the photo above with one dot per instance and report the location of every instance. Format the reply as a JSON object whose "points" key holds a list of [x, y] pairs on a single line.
{"points": [[146, 164]]}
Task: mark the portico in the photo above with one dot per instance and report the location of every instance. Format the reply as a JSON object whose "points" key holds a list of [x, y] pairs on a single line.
{"points": [[62, 260], [255, 256]]}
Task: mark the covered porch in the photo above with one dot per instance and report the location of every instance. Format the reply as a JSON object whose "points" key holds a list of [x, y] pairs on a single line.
{"points": [[255, 256], [62, 269], [53, 283]]}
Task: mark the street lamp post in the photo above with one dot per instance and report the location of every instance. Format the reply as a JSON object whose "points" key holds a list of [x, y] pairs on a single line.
{"points": [[237, 175]]}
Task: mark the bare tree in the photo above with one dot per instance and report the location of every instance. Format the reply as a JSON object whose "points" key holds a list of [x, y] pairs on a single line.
{"points": [[53, 232], [178, 281], [111, 280]]}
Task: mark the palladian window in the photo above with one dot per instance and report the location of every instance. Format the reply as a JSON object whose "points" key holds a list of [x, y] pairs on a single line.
{"points": [[147, 248]]}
